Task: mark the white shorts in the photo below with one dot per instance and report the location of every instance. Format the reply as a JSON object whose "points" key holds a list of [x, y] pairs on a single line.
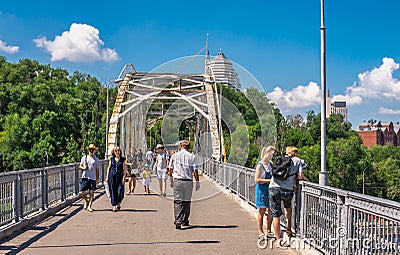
{"points": [[146, 182], [162, 174]]}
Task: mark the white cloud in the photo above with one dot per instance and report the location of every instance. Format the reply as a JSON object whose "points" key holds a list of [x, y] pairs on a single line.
{"points": [[8, 49], [299, 97], [350, 99], [80, 44], [377, 83], [383, 110]]}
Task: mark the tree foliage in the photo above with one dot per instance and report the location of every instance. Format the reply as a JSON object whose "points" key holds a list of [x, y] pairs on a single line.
{"points": [[47, 110]]}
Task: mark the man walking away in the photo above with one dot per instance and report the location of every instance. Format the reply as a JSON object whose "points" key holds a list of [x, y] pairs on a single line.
{"points": [[183, 165], [90, 166]]}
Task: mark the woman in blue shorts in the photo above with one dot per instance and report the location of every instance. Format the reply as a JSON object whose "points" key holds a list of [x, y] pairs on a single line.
{"points": [[262, 177]]}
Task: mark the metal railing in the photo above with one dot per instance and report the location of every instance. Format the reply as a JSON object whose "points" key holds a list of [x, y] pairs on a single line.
{"points": [[342, 222], [25, 193], [333, 221]]}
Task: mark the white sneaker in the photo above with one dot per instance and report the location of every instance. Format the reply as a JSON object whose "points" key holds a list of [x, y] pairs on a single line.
{"points": [[90, 209]]}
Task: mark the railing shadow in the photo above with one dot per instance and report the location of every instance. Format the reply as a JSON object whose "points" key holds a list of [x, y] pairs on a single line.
{"points": [[46, 230]]}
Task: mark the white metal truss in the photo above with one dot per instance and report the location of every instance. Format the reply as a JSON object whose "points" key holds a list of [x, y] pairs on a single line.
{"points": [[138, 92]]}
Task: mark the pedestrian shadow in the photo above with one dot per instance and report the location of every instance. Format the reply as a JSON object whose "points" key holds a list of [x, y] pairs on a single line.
{"points": [[143, 194], [210, 227], [126, 210], [138, 210], [200, 242]]}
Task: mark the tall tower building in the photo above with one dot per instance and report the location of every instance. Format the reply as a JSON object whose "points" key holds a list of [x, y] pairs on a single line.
{"points": [[222, 69], [336, 107]]}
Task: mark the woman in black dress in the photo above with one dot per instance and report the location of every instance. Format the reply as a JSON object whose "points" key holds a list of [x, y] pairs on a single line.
{"points": [[116, 173]]}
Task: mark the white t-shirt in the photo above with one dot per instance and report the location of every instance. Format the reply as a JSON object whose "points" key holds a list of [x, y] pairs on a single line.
{"points": [[93, 163], [183, 164], [149, 155], [162, 160]]}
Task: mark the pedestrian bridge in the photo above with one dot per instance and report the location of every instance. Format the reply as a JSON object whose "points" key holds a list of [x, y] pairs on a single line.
{"points": [[41, 213], [40, 210]]}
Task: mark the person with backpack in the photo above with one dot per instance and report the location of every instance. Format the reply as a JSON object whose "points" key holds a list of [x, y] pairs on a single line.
{"points": [[286, 171], [160, 166], [262, 178]]}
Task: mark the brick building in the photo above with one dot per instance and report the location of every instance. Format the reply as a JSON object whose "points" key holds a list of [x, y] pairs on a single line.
{"points": [[379, 133]]}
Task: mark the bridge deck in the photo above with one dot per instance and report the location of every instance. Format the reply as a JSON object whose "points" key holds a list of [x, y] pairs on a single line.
{"points": [[145, 226]]}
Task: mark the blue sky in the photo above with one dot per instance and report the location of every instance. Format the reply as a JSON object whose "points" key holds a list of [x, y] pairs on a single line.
{"points": [[277, 41]]}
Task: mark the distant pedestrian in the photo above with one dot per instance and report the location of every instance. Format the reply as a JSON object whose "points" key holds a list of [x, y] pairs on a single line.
{"points": [[183, 166], [149, 158], [160, 166], [131, 170], [282, 190], [146, 178], [263, 177], [116, 173], [90, 166], [140, 159]]}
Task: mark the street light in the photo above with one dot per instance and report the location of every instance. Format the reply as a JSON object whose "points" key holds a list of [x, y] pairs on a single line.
{"points": [[323, 175], [107, 117], [47, 158]]}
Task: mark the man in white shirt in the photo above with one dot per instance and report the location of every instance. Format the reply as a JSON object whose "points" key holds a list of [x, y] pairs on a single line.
{"points": [[183, 166], [90, 166], [149, 156]]}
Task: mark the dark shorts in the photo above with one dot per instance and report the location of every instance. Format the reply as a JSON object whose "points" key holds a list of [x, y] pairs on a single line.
{"points": [[87, 184], [276, 197], [130, 175], [129, 172]]}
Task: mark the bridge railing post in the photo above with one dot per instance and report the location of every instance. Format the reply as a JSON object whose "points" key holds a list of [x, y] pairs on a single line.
{"points": [[77, 177], [298, 206], [238, 182], [343, 222], [246, 186], [63, 184], [17, 198], [45, 187]]}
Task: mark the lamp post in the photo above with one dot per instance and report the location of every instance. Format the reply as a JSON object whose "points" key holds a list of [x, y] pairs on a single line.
{"points": [[323, 175], [47, 158], [107, 120]]}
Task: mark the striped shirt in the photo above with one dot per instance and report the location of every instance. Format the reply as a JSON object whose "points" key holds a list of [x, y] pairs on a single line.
{"points": [[183, 163]]}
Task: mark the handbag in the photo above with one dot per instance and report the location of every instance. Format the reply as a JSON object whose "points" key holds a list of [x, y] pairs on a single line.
{"points": [[107, 188]]}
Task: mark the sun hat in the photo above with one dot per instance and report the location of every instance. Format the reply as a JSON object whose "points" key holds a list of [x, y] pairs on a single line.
{"points": [[160, 146], [92, 146]]}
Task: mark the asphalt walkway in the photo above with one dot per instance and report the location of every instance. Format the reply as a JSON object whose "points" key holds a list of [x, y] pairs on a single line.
{"points": [[144, 226]]}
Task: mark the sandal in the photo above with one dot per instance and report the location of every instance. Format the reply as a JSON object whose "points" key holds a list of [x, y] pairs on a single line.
{"points": [[289, 233], [270, 234], [261, 237], [278, 244]]}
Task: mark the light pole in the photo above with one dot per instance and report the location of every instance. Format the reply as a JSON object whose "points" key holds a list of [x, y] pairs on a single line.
{"points": [[107, 120], [47, 158], [323, 175]]}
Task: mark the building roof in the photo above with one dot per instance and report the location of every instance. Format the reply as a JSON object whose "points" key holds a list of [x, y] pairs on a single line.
{"points": [[372, 129]]}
